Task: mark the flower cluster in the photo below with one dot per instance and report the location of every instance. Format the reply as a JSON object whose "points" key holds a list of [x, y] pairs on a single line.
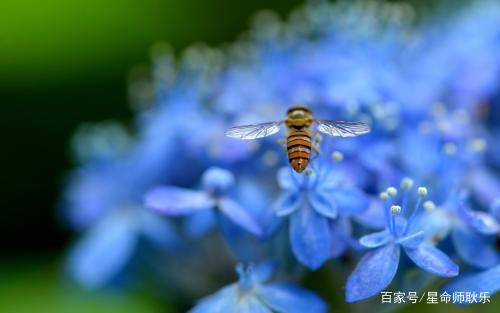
{"points": [[179, 199]]}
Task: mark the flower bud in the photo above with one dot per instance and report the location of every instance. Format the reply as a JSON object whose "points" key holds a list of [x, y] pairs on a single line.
{"points": [[395, 209], [406, 183], [337, 156], [384, 195], [429, 205], [422, 191], [392, 191]]}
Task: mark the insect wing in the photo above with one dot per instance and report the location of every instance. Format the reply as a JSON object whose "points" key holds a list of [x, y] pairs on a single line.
{"points": [[342, 128], [255, 131]]}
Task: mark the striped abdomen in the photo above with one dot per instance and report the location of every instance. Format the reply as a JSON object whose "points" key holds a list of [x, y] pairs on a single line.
{"points": [[298, 146]]}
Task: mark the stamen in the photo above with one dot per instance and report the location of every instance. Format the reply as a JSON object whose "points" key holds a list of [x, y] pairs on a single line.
{"points": [[478, 144], [384, 195], [392, 191], [429, 205], [406, 183], [422, 191], [395, 209], [450, 148], [337, 156]]}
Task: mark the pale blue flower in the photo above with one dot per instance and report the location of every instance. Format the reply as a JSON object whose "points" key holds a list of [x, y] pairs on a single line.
{"points": [[377, 268], [312, 201], [252, 293], [177, 201]]}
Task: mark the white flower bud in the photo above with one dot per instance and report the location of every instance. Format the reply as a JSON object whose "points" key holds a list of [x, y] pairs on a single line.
{"points": [[478, 144], [384, 195], [395, 209], [392, 191], [450, 148], [422, 191], [337, 156], [406, 183], [429, 205]]}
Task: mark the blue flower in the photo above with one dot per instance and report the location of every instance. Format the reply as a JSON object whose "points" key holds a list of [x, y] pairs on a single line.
{"points": [[487, 281], [313, 200], [104, 205], [252, 294], [176, 201], [377, 268]]}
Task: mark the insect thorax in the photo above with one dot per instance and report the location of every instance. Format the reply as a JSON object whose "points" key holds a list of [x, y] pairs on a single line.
{"points": [[298, 118]]}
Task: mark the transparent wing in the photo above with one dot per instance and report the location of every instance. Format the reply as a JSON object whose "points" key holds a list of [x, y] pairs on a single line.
{"points": [[255, 131], [342, 128]]}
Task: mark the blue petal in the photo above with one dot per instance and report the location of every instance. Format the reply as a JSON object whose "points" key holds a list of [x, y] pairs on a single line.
{"points": [[350, 200], [177, 201], [310, 237], [473, 248], [289, 298], [485, 281], [250, 304], [431, 259], [158, 229], [373, 217], [220, 302], [481, 222], [436, 225], [495, 208], [103, 252], [341, 236], [377, 239], [288, 203], [323, 205], [217, 180], [374, 273], [239, 216], [199, 223], [412, 240], [286, 179], [263, 271]]}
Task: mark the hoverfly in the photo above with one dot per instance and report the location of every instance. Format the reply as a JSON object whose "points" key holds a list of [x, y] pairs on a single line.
{"points": [[298, 141]]}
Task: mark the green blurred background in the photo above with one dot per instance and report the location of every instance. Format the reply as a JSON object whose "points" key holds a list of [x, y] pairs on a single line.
{"points": [[63, 63]]}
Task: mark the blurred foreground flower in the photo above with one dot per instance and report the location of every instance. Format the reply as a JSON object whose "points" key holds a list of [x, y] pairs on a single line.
{"points": [[252, 293]]}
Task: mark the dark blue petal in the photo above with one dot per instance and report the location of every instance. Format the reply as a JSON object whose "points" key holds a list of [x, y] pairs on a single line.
{"points": [[374, 273], [350, 200], [220, 302], [289, 298], [431, 259], [239, 216], [377, 239], [263, 271], [103, 252], [473, 248], [485, 281], [177, 201], [288, 203], [310, 237], [323, 204]]}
